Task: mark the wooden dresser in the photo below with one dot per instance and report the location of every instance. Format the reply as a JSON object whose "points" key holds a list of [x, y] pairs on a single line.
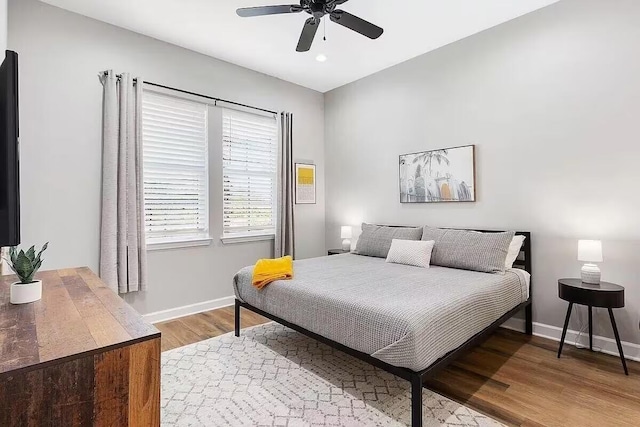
{"points": [[81, 356]]}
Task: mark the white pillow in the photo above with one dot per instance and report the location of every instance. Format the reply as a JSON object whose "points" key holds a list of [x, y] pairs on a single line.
{"points": [[514, 251], [411, 252]]}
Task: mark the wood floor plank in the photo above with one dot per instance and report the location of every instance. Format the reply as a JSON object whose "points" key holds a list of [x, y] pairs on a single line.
{"points": [[512, 377]]}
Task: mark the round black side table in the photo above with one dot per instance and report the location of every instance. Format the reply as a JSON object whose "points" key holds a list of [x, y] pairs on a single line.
{"points": [[605, 295]]}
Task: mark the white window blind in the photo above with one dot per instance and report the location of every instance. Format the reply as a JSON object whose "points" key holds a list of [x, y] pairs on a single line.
{"points": [[174, 135], [249, 163]]}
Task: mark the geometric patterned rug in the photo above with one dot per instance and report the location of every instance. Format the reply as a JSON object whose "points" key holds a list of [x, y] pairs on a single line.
{"points": [[274, 376]]}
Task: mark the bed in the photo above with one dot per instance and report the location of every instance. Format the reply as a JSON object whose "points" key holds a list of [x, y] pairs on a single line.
{"points": [[406, 320]]}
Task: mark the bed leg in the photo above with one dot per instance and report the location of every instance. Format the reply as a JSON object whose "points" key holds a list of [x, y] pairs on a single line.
{"points": [[416, 401], [529, 319], [237, 318]]}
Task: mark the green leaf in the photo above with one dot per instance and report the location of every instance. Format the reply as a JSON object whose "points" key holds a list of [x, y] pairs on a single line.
{"points": [[44, 248], [31, 253], [36, 267], [23, 267]]}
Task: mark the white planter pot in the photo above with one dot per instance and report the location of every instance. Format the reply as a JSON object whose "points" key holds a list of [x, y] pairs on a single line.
{"points": [[22, 294]]}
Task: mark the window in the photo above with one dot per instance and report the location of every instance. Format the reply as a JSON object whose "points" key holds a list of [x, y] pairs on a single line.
{"points": [[176, 177], [249, 164]]}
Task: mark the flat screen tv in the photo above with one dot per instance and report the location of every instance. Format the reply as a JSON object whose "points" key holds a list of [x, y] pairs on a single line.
{"points": [[9, 152]]}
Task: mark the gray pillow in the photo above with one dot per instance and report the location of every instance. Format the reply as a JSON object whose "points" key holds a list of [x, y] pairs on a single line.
{"points": [[469, 250], [375, 240]]}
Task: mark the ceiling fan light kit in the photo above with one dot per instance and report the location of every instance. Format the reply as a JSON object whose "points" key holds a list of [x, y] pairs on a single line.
{"points": [[317, 9]]}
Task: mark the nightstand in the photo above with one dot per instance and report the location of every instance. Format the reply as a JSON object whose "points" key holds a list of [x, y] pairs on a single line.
{"points": [[337, 252], [605, 295]]}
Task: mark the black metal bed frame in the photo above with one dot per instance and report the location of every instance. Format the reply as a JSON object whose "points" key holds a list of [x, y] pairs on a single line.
{"points": [[418, 378]]}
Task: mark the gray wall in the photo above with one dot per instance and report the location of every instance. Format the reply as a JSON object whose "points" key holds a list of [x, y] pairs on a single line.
{"points": [[61, 54], [552, 101]]}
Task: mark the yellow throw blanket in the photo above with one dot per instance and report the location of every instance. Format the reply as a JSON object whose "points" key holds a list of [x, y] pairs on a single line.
{"points": [[270, 270]]}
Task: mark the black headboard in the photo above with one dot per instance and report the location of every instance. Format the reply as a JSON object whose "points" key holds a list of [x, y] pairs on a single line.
{"points": [[524, 260]]}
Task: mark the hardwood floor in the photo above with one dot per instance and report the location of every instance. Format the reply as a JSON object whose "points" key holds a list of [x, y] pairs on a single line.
{"points": [[202, 326], [514, 378]]}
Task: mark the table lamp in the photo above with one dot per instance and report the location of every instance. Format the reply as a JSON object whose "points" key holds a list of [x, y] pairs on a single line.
{"points": [[590, 252], [346, 234]]}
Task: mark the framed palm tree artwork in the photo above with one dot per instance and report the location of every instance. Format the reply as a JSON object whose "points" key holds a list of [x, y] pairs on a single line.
{"points": [[444, 175]]}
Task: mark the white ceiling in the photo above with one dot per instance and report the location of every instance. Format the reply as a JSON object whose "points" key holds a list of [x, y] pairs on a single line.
{"points": [[267, 44]]}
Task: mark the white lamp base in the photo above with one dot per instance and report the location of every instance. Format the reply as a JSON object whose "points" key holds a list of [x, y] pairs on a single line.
{"points": [[346, 245], [590, 274]]}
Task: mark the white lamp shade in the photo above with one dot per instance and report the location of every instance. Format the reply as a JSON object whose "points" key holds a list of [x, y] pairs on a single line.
{"points": [[345, 232], [590, 250]]}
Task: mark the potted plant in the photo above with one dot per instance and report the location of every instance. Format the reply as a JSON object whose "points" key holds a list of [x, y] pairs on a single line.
{"points": [[26, 265]]}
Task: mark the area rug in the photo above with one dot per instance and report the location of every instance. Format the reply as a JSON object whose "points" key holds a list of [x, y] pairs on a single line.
{"points": [[273, 376]]}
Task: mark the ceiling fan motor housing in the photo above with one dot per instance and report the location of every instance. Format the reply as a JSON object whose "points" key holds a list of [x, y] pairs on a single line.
{"points": [[318, 8]]}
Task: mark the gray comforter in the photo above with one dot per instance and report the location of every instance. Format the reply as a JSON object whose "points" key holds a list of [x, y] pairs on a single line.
{"points": [[405, 316]]}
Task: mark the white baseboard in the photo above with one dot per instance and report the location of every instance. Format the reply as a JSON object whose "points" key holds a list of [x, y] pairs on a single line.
{"points": [[606, 345], [187, 310]]}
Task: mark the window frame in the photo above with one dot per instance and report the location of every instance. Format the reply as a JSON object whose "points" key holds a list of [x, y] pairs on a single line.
{"points": [[262, 235], [182, 240]]}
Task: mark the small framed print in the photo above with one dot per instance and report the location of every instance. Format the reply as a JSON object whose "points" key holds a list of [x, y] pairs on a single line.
{"points": [[305, 184]]}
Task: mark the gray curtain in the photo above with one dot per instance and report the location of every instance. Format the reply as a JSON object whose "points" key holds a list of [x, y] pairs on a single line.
{"points": [[123, 255], [285, 242]]}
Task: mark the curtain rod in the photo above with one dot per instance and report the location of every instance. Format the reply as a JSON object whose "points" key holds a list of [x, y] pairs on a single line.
{"points": [[200, 95]]}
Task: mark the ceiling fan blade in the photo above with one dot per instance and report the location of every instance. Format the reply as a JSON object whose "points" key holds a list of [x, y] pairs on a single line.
{"points": [[247, 12], [356, 24], [308, 34]]}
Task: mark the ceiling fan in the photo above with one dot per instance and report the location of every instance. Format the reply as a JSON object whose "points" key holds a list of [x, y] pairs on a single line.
{"points": [[317, 9]]}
